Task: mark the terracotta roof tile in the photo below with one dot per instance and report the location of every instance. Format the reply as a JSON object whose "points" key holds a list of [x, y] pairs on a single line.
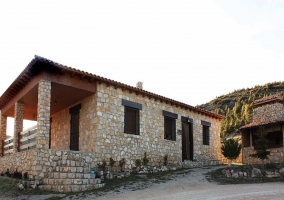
{"points": [[271, 98], [256, 124], [32, 69]]}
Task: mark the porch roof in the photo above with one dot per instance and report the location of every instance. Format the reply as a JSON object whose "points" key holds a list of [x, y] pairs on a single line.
{"points": [[39, 64], [257, 124]]}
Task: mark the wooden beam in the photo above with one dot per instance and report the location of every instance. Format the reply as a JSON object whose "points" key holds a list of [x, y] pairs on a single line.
{"points": [[72, 74], [82, 76], [91, 79]]}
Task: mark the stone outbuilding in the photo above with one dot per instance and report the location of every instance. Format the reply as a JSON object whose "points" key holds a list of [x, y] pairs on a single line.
{"points": [[268, 112], [83, 119]]}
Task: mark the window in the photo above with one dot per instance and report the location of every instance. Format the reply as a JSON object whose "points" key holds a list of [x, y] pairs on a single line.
{"points": [[206, 132], [131, 117], [131, 120], [275, 139], [170, 125]]}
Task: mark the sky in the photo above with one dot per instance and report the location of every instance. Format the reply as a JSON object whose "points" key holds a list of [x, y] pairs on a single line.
{"points": [[189, 51]]}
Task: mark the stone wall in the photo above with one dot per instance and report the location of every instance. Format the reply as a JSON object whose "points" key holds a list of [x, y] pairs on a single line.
{"points": [[88, 124], [18, 124], [113, 142], [43, 114], [60, 130], [60, 127], [268, 112], [3, 128], [51, 160], [22, 161], [276, 156]]}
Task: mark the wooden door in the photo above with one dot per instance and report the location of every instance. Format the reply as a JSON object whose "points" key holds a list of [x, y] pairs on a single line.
{"points": [[74, 127], [187, 141], [74, 132]]}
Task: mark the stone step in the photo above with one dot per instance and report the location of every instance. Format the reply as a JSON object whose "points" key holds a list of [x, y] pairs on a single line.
{"points": [[70, 169], [71, 175], [68, 181], [70, 188]]}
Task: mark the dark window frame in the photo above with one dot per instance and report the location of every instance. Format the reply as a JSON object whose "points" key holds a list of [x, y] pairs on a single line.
{"points": [[170, 125], [131, 121], [131, 117], [206, 132], [274, 138]]}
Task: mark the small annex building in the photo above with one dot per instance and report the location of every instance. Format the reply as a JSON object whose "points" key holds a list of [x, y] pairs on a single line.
{"points": [[269, 113], [83, 119]]}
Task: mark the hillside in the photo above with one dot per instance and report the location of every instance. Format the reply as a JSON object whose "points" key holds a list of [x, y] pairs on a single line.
{"points": [[237, 106]]}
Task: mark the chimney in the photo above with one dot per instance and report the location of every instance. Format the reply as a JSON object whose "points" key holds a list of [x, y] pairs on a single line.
{"points": [[139, 85]]}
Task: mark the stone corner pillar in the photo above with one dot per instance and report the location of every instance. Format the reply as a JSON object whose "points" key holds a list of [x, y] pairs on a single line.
{"points": [[43, 113], [18, 125], [3, 132]]}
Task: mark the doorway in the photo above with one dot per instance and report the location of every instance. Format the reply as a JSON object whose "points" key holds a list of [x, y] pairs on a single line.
{"points": [[74, 127], [187, 139]]}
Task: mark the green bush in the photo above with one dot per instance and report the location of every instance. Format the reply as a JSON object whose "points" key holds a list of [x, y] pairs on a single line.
{"points": [[231, 148]]}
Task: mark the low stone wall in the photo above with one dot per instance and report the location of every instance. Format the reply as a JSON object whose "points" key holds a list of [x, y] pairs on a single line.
{"points": [[276, 156], [50, 161], [22, 162]]}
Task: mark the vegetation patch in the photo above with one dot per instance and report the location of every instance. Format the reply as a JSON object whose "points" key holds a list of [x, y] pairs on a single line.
{"points": [[237, 106], [132, 183], [221, 178], [9, 189]]}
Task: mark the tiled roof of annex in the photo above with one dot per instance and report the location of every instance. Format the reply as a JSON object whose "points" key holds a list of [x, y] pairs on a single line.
{"points": [[256, 124], [33, 68], [270, 99]]}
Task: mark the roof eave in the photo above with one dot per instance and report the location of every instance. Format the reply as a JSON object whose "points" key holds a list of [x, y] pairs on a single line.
{"points": [[27, 75]]}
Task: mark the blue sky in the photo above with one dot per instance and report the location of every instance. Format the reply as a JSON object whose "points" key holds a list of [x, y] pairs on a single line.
{"points": [[190, 51]]}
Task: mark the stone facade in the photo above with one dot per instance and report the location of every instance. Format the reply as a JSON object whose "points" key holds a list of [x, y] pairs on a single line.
{"points": [[60, 130], [43, 115], [3, 128], [62, 171], [113, 142], [276, 156], [269, 113], [101, 127], [60, 127], [21, 161], [102, 130]]}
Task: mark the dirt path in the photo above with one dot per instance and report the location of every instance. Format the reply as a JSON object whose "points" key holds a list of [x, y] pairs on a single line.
{"points": [[195, 186], [183, 186]]}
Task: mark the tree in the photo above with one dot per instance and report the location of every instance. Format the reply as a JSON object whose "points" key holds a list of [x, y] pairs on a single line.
{"points": [[231, 148], [261, 146]]}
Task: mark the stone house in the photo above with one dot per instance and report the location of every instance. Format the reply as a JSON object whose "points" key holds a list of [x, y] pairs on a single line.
{"points": [[83, 119], [269, 113]]}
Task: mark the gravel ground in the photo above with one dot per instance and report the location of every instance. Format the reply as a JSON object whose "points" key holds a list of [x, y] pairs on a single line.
{"points": [[190, 186], [195, 186]]}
